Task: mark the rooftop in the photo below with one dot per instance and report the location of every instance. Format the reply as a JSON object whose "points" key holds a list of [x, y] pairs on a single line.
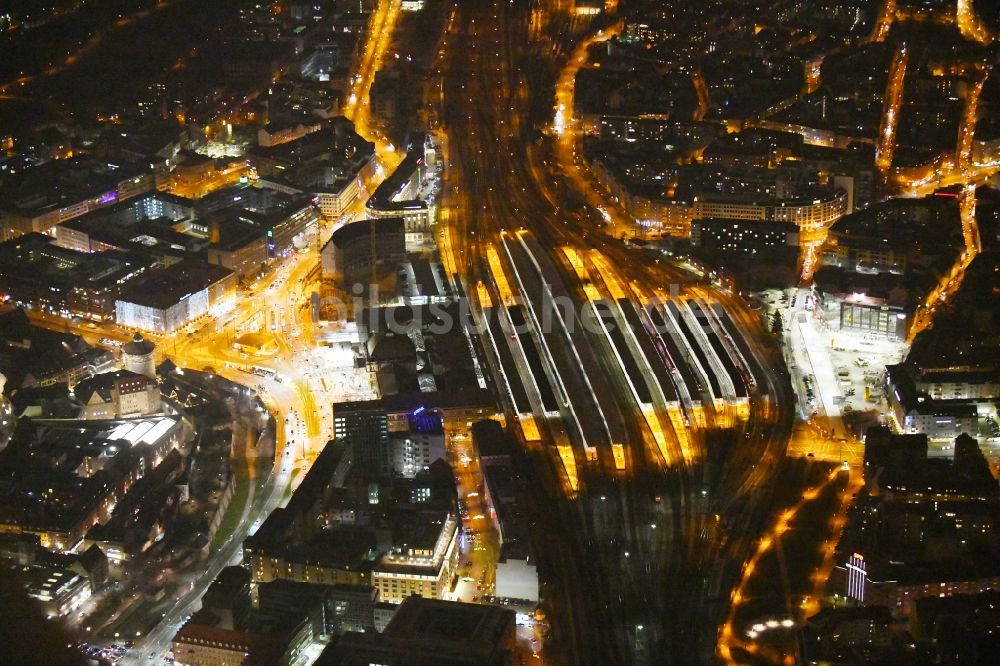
{"points": [[36, 259], [425, 632], [60, 183], [355, 231], [165, 287], [385, 194]]}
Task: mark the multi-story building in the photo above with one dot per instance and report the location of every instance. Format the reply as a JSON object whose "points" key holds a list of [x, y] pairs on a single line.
{"points": [[938, 420], [88, 467], [200, 645], [357, 249], [871, 256], [116, 226], [809, 215], [166, 299], [285, 225], [39, 199], [338, 146], [351, 608], [741, 236], [654, 210], [400, 195], [869, 315], [832, 633], [900, 593], [59, 590], [923, 526], [417, 449], [142, 516], [941, 404], [365, 425], [335, 181], [421, 562], [907, 236], [38, 357], [428, 631], [36, 272], [284, 129], [121, 394], [383, 96], [975, 383], [291, 544], [347, 524], [237, 243]]}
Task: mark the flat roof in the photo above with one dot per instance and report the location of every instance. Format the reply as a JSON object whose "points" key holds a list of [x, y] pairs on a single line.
{"points": [[59, 183], [168, 286], [385, 193], [236, 229], [349, 233], [408, 402], [36, 257]]}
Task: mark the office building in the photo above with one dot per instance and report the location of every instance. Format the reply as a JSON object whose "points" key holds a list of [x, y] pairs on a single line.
{"points": [[365, 427], [402, 194], [236, 242], [426, 631], [130, 224], [36, 272], [36, 200], [351, 256], [167, 299], [59, 590]]}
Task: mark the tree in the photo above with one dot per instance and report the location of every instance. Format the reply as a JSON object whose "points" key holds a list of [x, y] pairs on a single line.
{"points": [[777, 324]]}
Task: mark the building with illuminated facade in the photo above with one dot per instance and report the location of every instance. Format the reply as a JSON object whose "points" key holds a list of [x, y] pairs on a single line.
{"points": [[167, 299], [923, 526], [122, 225], [40, 198], [36, 272], [422, 560], [59, 590], [872, 315], [121, 394], [77, 471], [399, 195]]}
